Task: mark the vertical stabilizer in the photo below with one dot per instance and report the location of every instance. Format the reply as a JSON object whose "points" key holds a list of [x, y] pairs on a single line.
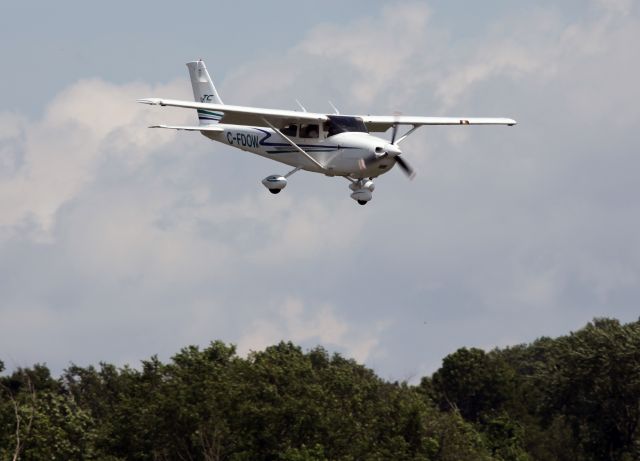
{"points": [[204, 91]]}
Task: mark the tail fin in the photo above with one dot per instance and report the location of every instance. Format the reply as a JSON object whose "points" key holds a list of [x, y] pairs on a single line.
{"points": [[204, 91]]}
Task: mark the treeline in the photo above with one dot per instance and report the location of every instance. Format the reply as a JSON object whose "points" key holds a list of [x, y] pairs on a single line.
{"points": [[576, 397]]}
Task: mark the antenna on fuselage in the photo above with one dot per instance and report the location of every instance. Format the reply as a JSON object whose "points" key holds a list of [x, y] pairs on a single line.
{"points": [[301, 106], [335, 109]]}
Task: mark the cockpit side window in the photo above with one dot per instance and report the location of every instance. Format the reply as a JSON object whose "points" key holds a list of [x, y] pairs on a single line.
{"points": [[290, 130], [341, 123], [311, 130]]}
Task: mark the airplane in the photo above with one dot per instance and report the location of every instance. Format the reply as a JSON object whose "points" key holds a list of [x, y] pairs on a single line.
{"points": [[330, 144]]}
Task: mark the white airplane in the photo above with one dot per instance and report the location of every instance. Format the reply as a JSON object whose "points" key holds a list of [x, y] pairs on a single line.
{"points": [[331, 144]]}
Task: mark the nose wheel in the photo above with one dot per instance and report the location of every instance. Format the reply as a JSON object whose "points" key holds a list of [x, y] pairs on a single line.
{"points": [[362, 190]]}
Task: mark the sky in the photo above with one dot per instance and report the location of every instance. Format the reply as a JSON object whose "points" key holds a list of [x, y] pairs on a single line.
{"points": [[118, 242]]}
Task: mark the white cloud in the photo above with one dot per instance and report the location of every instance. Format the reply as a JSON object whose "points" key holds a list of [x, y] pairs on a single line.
{"points": [[378, 48], [539, 48], [131, 239], [319, 324], [61, 153], [155, 240], [616, 6]]}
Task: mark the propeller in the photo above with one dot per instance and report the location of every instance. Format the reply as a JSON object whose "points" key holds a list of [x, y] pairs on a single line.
{"points": [[394, 133], [394, 151], [402, 163], [405, 167]]}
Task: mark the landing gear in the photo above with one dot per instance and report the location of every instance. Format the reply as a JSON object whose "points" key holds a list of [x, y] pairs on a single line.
{"points": [[275, 183], [362, 190]]}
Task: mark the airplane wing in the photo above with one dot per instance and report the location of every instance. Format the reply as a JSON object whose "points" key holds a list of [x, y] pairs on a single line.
{"points": [[255, 116], [384, 122], [190, 128], [241, 115]]}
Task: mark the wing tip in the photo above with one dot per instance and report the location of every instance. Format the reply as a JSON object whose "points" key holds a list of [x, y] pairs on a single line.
{"points": [[150, 101]]}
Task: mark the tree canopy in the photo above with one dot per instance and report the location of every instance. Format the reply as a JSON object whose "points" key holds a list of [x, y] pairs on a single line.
{"points": [[576, 397]]}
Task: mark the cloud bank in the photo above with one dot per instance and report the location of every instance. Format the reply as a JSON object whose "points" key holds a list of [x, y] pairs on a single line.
{"points": [[117, 242]]}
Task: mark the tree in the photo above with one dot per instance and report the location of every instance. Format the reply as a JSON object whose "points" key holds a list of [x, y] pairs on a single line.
{"points": [[593, 379], [19, 411], [474, 382], [572, 398]]}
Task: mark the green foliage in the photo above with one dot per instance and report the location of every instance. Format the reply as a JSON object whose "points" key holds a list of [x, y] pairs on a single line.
{"points": [[60, 430], [40, 421], [303, 453], [474, 382], [281, 403], [593, 378], [572, 398], [504, 437]]}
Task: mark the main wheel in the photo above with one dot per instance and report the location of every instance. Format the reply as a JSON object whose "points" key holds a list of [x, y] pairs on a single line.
{"points": [[362, 202], [275, 191]]}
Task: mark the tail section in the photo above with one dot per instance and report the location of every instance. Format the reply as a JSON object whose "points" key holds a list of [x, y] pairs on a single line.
{"points": [[204, 91]]}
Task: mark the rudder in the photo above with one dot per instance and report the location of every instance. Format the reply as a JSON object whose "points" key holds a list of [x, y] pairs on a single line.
{"points": [[204, 91]]}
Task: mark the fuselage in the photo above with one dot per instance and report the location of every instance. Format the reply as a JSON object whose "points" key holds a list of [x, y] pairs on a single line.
{"points": [[330, 144], [353, 154]]}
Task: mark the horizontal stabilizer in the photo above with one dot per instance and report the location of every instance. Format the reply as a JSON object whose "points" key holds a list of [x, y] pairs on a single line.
{"points": [[191, 128]]}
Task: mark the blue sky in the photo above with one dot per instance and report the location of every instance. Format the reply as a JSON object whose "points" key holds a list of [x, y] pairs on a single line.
{"points": [[118, 40], [118, 242]]}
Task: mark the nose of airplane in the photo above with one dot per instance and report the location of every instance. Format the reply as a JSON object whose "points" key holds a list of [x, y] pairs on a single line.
{"points": [[393, 150]]}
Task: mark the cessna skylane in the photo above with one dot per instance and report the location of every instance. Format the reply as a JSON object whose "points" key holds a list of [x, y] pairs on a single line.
{"points": [[330, 144]]}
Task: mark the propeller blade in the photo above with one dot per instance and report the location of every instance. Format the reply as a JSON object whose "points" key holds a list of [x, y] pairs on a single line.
{"points": [[394, 133], [405, 167]]}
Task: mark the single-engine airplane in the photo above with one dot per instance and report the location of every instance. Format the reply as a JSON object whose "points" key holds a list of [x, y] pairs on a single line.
{"points": [[331, 144]]}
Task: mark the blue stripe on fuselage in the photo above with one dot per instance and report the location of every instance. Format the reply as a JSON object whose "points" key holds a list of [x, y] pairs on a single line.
{"points": [[309, 147]]}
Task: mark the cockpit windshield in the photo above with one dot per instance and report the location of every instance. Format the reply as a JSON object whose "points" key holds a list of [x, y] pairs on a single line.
{"points": [[341, 123]]}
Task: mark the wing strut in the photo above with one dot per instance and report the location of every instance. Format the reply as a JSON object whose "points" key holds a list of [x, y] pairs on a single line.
{"points": [[294, 145], [406, 135]]}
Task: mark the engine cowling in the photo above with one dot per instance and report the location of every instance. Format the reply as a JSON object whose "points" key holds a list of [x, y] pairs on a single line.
{"points": [[275, 183]]}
